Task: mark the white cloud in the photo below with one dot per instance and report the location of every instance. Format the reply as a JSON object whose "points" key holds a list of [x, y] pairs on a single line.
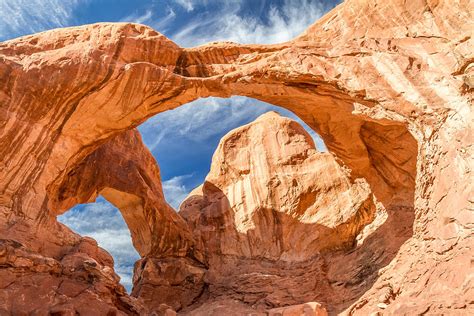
{"points": [[175, 191], [284, 23], [139, 18], [159, 23], [188, 5], [199, 120], [205, 118], [19, 17]]}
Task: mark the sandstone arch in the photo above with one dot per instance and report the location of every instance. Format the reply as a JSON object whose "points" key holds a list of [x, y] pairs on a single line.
{"points": [[125, 173], [380, 95]]}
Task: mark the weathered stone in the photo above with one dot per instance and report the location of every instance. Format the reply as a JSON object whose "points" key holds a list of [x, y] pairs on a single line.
{"points": [[271, 195], [385, 83], [269, 207], [307, 309]]}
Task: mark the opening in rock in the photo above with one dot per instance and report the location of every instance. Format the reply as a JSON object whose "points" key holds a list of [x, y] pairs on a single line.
{"points": [[178, 249], [103, 222], [366, 77], [343, 266], [184, 139]]}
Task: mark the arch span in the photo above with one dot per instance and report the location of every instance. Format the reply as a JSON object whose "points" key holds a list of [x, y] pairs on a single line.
{"points": [[140, 74], [380, 95], [125, 173]]}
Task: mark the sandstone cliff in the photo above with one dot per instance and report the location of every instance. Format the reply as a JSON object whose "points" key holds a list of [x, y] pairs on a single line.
{"points": [[269, 209], [271, 195], [387, 84]]}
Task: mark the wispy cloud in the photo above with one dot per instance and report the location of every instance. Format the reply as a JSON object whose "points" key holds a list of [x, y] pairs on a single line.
{"points": [[281, 24], [191, 5], [20, 17], [175, 190], [110, 231], [188, 5], [204, 119], [192, 121], [150, 18], [139, 18]]}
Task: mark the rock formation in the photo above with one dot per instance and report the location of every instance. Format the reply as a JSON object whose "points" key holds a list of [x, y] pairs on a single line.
{"points": [[80, 281], [270, 195], [126, 174], [269, 207], [387, 84]]}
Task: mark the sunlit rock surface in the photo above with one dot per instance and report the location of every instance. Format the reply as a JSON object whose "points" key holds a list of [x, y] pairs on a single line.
{"points": [[387, 84], [271, 195], [269, 208]]}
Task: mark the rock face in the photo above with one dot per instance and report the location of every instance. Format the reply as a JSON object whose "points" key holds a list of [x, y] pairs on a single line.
{"points": [[271, 195], [270, 205], [81, 281], [387, 84], [125, 173], [72, 274], [308, 309]]}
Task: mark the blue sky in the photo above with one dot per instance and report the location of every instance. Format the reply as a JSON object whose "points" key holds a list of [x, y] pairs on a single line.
{"points": [[182, 140]]}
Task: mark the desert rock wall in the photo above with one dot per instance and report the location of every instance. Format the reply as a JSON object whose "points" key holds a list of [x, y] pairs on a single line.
{"points": [[387, 84]]}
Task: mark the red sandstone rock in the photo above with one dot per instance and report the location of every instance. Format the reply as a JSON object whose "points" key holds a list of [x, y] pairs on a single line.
{"points": [[307, 309], [271, 195], [387, 84], [270, 205], [124, 171], [77, 284]]}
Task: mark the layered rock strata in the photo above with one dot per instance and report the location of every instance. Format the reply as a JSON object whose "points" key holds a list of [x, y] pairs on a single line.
{"points": [[269, 208], [80, 282], [271, 195]]}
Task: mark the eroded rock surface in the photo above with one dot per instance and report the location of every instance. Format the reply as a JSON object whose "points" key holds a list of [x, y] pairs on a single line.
{"points": [[81, 282], [269, 207], [124, 171], [271, 195], [387, 84]]}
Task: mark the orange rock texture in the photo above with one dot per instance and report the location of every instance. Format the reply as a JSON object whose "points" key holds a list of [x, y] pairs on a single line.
{"points": [[387, 84], [271, 195], [268, 212]]}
